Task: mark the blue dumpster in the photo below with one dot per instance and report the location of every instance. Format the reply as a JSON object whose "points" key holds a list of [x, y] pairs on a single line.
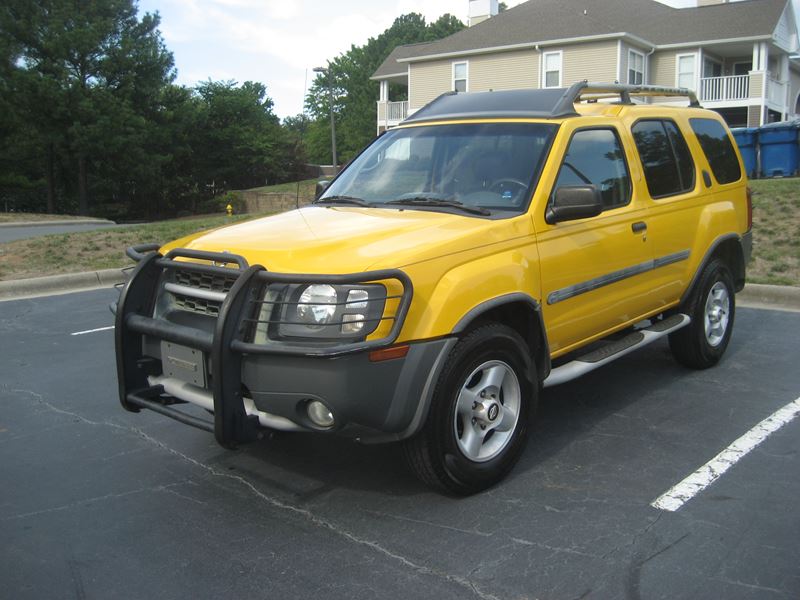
{"points": [[746, 138], [779, 149]]}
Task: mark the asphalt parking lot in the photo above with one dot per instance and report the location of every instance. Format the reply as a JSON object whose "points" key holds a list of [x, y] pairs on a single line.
{"points": [[96, 502]]}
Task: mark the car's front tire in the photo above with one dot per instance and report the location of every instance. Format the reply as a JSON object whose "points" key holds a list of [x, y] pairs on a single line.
{"points": [[478, 421]]}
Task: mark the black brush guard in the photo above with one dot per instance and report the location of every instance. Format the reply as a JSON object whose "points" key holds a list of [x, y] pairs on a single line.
{"points": [[226, 347]]}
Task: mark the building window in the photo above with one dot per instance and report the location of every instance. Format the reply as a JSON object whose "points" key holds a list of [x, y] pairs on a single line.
{"points": [[552, 69], [635, 67], [460, 74], [686, 71]]}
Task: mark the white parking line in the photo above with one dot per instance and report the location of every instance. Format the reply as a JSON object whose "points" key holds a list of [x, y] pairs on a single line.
{"points": [[92, 330], [695, 483]]}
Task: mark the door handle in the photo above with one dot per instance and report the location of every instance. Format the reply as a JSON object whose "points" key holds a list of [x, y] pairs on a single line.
{"points": [[639, 226]]}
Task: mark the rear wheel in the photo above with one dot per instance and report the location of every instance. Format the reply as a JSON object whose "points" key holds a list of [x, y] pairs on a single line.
{"points": [[712, 307], [478, 423]]}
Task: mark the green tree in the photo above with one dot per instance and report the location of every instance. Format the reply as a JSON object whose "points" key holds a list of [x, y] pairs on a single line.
{"points": [[87, 77], [354, 94]]}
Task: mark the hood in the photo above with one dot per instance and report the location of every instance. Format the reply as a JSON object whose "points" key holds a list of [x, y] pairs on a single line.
{"points": [[337, 240]]}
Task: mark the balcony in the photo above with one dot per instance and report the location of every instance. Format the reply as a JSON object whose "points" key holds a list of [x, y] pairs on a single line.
{"points": [[744, 89], [391, 113], [732, 87]]}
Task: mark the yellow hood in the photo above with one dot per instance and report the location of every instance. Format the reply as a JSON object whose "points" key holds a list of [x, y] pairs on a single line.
{"points": [[336, 240]]}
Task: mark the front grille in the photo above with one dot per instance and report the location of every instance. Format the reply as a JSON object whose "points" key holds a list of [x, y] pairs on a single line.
{"points": [[201, 281]]}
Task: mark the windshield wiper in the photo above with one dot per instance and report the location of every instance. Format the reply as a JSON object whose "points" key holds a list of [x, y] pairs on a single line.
{"points": [[342, 200], [433, 201]]}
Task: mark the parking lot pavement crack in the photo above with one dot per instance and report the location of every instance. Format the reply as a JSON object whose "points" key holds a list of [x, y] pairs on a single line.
{"points": [[84, 501], [274, 502], [322, 522], [556, 549], [429, 523], [752, 586]]}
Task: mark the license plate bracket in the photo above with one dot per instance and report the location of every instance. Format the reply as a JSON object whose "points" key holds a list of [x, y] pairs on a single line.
{"points": [[186, 364]]}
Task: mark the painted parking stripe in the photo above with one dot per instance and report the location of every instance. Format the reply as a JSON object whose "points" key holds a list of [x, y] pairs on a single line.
{"points": [[92, 330], [695, 483]]}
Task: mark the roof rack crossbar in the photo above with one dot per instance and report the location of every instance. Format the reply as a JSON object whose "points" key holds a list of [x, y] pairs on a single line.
{"points": [[582, 88]]}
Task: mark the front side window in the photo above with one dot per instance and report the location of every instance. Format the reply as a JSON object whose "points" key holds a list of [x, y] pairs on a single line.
{"points": [[717, 147], [686, 71], [635, 67], [552, 69], [667, 162], [460, 77], [595, 157], [485, 165]]}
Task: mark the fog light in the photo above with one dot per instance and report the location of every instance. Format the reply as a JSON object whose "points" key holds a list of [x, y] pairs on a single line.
{"points": [[352, 323], [319, 414]]}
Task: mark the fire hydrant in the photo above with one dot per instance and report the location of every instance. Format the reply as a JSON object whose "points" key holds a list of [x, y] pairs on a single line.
{"points": [[229, 210]]}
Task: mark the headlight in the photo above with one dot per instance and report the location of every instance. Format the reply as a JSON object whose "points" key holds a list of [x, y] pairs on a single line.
{"points": [[317, 306], [320, 312]]}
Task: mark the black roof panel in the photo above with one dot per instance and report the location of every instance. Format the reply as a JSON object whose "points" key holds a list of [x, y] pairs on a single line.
{"points": [[542, 104]]}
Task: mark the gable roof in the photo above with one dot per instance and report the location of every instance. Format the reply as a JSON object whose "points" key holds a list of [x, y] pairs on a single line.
{"points": [[543, 21]]}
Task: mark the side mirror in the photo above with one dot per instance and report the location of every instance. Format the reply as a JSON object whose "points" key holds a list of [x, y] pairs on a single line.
{"points": [[322, 185], [571, 202]]}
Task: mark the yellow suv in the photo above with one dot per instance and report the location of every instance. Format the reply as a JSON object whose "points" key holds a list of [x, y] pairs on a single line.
{"points": [[492, 245]]}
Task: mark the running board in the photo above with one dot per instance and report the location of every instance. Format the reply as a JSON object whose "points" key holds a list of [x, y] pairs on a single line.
{"points": [[598, 358]]}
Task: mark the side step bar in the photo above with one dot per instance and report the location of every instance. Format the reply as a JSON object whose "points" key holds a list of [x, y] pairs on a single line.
{"points": [[598, 358]]}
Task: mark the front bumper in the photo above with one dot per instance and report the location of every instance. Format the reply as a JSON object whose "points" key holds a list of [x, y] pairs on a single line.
{"points": [[211, 360]]}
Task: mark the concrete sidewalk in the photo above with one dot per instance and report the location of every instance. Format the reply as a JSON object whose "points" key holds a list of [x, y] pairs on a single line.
{"points": [[754, 295]]}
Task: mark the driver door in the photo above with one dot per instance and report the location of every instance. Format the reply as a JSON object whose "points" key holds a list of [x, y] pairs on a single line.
{"points": [[595, 272]]}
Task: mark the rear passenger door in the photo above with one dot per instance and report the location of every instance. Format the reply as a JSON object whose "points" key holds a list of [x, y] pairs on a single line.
{"points": [[678, 194], [594, 272]]}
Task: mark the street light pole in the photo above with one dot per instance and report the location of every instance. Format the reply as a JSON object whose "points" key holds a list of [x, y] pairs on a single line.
{"points": [[330, 104]]}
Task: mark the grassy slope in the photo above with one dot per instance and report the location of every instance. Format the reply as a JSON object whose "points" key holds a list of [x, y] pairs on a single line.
{"points": [[776, 233], [92, 250], [16, 217]]}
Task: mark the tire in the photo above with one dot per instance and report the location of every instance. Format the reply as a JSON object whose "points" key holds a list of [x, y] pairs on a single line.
{"points": [[712, 307], [478, 421]]}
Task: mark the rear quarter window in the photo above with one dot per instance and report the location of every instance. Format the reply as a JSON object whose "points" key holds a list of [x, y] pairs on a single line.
{"points": [[717, 147], [667, 162]]}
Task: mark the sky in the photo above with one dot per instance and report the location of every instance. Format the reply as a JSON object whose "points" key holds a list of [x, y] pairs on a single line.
{"points": [[279, 42]]}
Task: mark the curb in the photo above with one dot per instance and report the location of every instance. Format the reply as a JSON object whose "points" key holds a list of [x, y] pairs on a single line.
{"points": [[771, 296], [58, 222], [60, 284], [753, 295]]}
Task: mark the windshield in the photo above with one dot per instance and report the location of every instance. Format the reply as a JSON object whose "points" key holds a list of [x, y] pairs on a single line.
{"points": [[481, 166]]}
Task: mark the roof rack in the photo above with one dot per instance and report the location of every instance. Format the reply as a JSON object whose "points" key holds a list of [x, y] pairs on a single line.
{"points": [[552, 103], [583, 88]]}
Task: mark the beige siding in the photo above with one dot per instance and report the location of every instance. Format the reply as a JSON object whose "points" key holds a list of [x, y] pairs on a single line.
{"points": [[756, 85], [753, 116], [595, 62], [505, 71], [662, 68], [427, 80]]}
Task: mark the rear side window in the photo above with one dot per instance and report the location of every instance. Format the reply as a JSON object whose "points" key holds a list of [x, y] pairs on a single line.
{"points": [[595, 157], [667, 162], [718, 149]]}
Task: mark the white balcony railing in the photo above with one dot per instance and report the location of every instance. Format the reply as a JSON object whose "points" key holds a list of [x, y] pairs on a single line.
{"points": [[391, 113], [731, 87], [776, 91]]}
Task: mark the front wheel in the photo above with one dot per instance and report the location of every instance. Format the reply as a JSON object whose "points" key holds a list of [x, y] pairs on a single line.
{"points": [[478, 422], [712, 307]]}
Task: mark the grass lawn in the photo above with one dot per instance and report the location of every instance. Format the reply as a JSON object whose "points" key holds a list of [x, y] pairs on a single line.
{"points": [[93, 250], [776, 232], [776, 239], [307, 187]]}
